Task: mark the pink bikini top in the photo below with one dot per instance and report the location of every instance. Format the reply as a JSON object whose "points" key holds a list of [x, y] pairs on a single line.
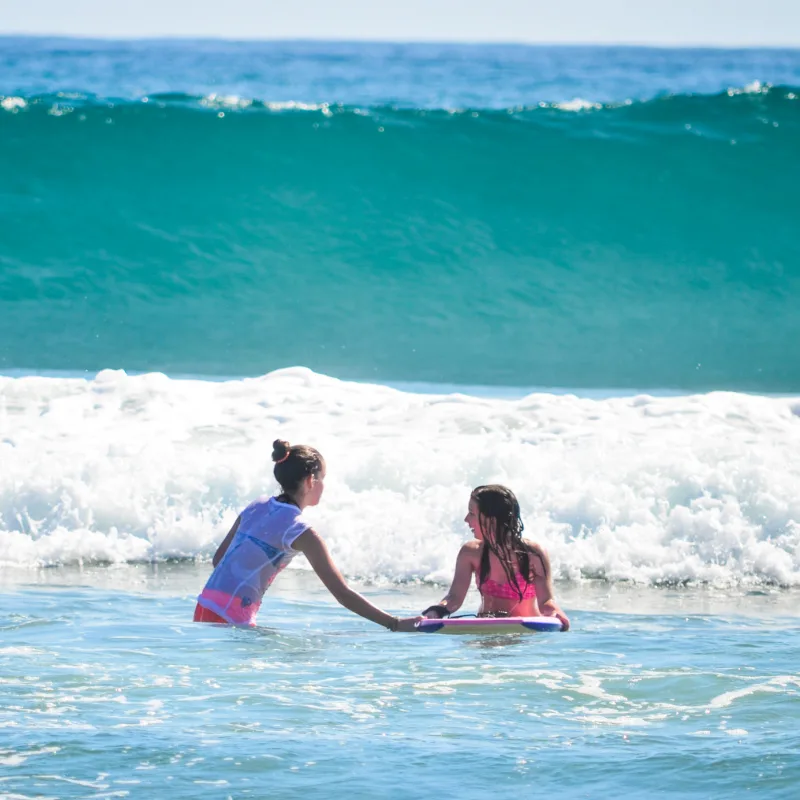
{"points": [[506, 591]]}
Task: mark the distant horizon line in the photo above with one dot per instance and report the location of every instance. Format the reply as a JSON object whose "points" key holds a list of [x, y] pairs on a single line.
{"points": [[441, 42]]}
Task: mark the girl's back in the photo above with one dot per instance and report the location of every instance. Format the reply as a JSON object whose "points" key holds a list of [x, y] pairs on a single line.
{"points": [[261, 548]]}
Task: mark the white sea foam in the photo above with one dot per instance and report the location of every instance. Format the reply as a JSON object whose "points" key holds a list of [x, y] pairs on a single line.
{"points": [[236, 103], [754, 87], [231, 101], [12, 104], [650, 489], [577, 104]]}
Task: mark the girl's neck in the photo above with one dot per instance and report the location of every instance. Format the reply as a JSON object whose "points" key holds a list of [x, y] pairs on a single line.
{"points": [[284, 497]]}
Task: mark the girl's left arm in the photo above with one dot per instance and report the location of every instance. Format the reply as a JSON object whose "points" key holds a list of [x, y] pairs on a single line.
{"points": [[545, 596]]}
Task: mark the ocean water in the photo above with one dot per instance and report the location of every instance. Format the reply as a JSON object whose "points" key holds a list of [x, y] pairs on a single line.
{"points": [[671, 701], [571, 270], [535, 219]]}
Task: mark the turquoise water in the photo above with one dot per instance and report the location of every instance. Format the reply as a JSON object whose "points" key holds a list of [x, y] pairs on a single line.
{"points": [[641, 243], [673, 702], [380, 250]]}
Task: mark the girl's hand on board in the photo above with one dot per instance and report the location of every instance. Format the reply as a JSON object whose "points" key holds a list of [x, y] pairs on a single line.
{"points": [[436, 612], [408, 624]]}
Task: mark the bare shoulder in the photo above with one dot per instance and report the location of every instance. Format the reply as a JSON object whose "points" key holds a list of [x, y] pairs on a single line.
{"points": [[307, 539], [539, 560], [470, 549], [534, 546]]}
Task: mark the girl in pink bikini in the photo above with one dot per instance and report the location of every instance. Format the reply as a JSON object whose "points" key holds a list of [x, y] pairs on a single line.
{"points": [[512, 574], [266, 536]]}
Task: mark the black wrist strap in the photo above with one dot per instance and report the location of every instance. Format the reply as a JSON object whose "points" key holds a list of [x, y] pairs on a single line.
{"points": [[440, 609]]}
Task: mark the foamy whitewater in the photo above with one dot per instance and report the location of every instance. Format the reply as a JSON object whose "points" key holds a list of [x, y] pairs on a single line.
{"points": [[647, 489]]}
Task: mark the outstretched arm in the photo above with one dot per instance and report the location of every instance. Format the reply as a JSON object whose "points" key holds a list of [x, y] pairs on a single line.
{"points": [[454, 599], [314, 549], [226, 542], [545, 595]]}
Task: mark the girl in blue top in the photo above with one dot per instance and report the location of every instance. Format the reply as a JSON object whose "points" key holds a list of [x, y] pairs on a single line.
{"points": [[267, 535]]}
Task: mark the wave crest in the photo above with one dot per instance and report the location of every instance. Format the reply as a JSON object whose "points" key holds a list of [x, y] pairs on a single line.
{"points": [[644, 489]]}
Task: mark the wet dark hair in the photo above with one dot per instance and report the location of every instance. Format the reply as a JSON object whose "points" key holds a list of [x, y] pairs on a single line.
{"points": [[499, 514], [294, 463]]}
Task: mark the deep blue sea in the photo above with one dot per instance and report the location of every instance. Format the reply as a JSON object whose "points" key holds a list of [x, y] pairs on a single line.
{"points": [[572, 270]]}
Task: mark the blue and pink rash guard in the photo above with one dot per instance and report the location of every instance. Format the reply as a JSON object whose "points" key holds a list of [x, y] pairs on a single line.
{"points": [[260, 549]]}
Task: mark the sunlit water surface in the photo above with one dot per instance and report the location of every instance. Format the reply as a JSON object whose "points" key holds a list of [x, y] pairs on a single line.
{"points": [[108, 690]]}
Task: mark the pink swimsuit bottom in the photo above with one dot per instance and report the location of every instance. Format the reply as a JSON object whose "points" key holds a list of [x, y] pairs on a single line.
{"points": [[228, 608], [507, 591]]}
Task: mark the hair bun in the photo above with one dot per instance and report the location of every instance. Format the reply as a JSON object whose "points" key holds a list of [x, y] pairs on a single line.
{"points": [[280, 450]]}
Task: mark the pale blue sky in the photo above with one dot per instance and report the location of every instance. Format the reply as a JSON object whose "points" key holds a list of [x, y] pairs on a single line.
{"points": [[659, 22]]}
